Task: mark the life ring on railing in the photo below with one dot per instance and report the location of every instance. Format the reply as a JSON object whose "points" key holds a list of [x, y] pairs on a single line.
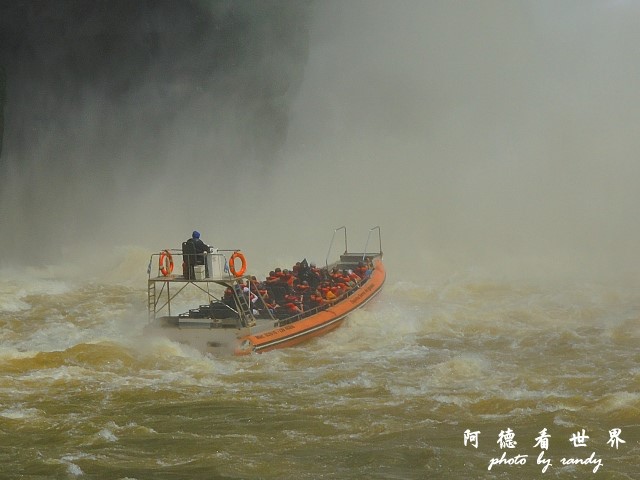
{"points": [[232, 264], [166, 263]]}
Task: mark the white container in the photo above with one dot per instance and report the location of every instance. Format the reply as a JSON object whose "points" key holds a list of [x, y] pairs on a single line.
{"points": [[215, 262], [198, 272]]}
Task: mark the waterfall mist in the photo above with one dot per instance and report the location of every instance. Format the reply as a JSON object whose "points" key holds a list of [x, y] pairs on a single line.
{"points": [[491, 135]]}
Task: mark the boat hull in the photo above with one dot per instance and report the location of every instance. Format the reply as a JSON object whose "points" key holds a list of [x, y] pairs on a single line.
{"points": [[318, 324]]}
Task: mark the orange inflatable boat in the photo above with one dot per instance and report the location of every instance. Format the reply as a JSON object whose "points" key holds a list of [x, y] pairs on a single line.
{"points": [[242, 314]]}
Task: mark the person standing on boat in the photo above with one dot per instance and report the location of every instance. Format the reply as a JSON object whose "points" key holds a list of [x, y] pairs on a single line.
{"points": [[193, 253], [201, 247]]}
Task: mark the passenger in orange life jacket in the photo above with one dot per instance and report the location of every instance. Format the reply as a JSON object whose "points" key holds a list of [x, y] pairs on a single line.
{"points": [[354, 276], [347, 279], [287, 277], [272, 278], [302, 287], [270, 304], [293, 308], [315, 300], [336, 276], [289, 308], [292, 298]]}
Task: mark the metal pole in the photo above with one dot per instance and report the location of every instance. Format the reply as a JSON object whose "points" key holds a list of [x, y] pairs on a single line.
{"points": [[326, 261]]}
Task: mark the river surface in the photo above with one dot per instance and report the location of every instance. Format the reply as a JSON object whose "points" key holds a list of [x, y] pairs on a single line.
{"points": [[390, 395]]}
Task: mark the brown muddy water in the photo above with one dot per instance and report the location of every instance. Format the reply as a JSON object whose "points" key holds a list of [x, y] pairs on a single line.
{"points": [[544, 380]]}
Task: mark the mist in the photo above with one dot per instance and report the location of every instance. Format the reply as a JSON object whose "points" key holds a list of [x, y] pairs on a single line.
{"points": [[133, 123], [497, 136], [493, 136]]}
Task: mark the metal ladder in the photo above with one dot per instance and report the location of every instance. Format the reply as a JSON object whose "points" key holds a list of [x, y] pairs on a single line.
{"points": [[246, 314], [151, 299]]}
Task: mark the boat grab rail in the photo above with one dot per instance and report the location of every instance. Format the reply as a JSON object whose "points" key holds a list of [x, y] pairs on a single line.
{"points": [[326, 261], [377, 227], [179, 254], [366, 246]]}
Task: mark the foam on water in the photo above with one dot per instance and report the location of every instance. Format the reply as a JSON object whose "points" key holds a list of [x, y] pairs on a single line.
{"points": [[19, 413], [418, 359]]}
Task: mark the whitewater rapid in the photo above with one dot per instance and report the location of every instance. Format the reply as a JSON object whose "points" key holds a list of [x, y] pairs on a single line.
{"points": [[389, 395]]}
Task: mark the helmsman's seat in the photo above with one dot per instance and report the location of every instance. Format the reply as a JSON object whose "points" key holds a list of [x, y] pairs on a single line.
{"points": [[188, 259]]}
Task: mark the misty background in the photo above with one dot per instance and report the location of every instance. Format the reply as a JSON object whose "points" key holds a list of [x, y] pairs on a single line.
{"points": [[497, 136]]}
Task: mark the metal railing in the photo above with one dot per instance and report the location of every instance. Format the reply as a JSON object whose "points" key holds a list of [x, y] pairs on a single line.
{"points": [[319, 308], [160, 298], [369, 237], [154, 269], [326, 261]]}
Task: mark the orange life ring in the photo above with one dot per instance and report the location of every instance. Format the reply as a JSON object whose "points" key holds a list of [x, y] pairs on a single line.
{"points": [[232, 266], [165, 268]]}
